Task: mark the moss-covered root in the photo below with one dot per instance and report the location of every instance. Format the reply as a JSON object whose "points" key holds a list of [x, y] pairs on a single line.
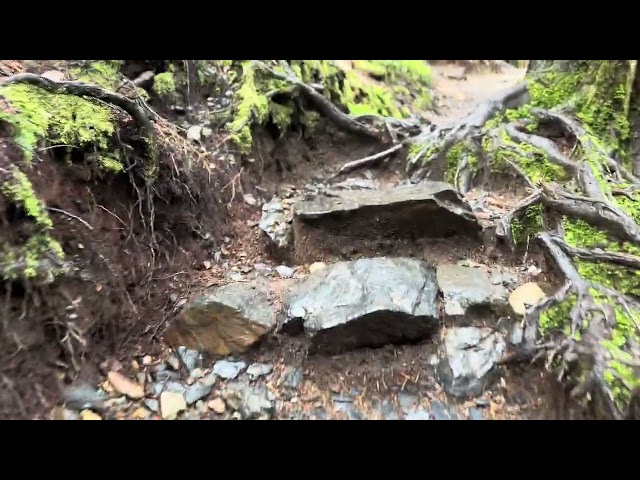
{"points": [[592, 331], [430, 149]]}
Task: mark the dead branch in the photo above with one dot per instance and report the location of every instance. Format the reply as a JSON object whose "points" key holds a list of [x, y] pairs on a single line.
{"points": [[70, 215], [363, 162]]}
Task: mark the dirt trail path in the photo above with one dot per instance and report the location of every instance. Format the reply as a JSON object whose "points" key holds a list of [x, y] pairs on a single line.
{"points": [[393, 382], [457, 94]]}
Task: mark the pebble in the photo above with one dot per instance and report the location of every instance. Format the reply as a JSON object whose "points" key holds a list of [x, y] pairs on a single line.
{"points": [[284, 271], [146, 360], [89, 415], [152, 404], [256, 370], [171, 404], [190, 358], [217, 405], [475, 414], [250, 199], [173, 362], [418, 415], [228, 370], [196, 392], [125, 386], [316, 266]]}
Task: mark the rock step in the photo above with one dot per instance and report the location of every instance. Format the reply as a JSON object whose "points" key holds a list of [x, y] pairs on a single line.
{"points": [[368, 302], [325, 222]]}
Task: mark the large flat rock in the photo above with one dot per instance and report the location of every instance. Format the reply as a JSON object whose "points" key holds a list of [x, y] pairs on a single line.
{"points": [[428, 209], [365, 303], [228, 319]]}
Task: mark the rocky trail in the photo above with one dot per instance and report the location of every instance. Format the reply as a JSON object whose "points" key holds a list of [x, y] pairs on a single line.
{"points": [[359, 296]]}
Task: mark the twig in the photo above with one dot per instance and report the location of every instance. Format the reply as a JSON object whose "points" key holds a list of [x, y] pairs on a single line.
{"points": [[356, 164], [71, 215]]}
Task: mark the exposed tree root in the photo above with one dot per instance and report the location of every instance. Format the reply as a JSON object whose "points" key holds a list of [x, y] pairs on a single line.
{"points": [[432, 146], [587, 345], [324, 106]]}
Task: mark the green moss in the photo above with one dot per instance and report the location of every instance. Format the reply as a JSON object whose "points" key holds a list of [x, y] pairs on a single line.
{"points": [[61, 119], [255, 92], [522, 230], [105, 73], [39, 258], [454, 155], [164, 85], [557, 317], [20, 190]]}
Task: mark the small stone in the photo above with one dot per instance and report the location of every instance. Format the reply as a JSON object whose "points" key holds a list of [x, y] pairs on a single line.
{"points": [[418, 415], [228, 370], [236, 416], [482, 403], [194, 133], [524, 296], [125, 386], [196, 392], [250, 199], [190, 358], [284, 271], [207, 264], [469, 361], [475, 414], [171, 404], [59, 413], [89, 415], [197, 373], [217, 405], [147, 360], [140, 413], [517, 334], [256, 370], [165, 375], [152, 404], [314, 267], [173, 362], [440, 412], [206, 132], [210, 379], [293, 378]]}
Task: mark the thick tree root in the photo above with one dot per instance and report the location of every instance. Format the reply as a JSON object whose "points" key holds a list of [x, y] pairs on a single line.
{"points": [[432, 145], [595, 344], [324, 106]]}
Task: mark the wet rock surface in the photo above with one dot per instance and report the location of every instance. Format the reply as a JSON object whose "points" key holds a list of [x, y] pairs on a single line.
{"points": [[469, 360], [390, 212], [226, 320], [464, 287], [368, 302], [276, 222]]}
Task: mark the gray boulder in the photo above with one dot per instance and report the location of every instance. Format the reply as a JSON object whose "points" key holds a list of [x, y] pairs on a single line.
{"points": [[227, 319], [465, 287], [468, 365], [365, 303]]}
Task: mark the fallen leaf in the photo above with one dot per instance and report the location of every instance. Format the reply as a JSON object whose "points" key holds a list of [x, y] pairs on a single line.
{"points": [[524, 296], [171, 404], [125, 386]]}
